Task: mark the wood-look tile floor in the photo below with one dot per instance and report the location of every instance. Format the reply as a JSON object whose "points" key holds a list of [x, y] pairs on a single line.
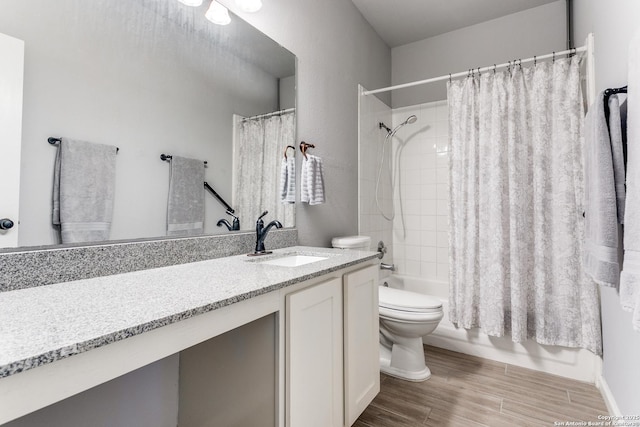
{"points": [[469, 391]]}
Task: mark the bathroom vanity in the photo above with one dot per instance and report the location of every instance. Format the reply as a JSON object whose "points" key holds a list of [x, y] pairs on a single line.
{"points": [[320, 304]]}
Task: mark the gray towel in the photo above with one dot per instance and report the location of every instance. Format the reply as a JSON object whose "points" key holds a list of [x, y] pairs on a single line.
{"points": [[83, 190], [630, 277], [288, 180], [617, 134], [185, 207], [601, 213]]}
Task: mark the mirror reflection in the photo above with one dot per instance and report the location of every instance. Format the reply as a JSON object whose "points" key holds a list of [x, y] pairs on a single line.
{"points": [[152, 77]]}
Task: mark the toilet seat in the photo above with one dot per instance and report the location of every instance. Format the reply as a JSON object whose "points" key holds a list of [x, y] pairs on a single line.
{"points": [[407, 301], [411, 316]]}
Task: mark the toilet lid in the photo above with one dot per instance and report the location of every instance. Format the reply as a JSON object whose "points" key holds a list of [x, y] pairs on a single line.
{"points": [[401, 300]]}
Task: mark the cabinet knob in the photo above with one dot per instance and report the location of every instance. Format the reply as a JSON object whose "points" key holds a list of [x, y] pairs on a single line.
{"points": [[5, 224]]}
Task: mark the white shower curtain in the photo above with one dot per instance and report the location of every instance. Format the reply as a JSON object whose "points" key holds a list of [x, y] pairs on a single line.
{"points": [[516, 223], [258, 151]]}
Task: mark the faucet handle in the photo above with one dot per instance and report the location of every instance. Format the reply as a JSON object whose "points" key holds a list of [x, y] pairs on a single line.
{"points": [[263, 214]]}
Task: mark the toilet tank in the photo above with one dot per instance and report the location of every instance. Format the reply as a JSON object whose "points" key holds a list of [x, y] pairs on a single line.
{"points": [[362, 243]]}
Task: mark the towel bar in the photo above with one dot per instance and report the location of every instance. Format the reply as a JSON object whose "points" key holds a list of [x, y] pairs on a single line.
{"points": [[53, 141], [168, 157]]}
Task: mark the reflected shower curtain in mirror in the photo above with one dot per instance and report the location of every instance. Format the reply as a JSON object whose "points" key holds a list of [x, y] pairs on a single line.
{"points": [[258, 149], [516, 194]]}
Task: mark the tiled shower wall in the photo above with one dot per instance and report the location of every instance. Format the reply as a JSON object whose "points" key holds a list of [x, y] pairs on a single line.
{"points": [[421, 247], [371, 137]]}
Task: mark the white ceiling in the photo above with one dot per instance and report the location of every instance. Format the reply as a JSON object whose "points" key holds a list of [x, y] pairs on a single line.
{"points": [[399, 22]]}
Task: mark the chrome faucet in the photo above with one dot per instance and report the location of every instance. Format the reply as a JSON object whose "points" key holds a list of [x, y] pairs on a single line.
{"points": [[390, 267], [261, 233]]}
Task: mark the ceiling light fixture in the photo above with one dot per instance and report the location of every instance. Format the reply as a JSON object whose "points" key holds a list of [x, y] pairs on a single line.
{"points": [[218, 14], [192, 3], [249, 5]]}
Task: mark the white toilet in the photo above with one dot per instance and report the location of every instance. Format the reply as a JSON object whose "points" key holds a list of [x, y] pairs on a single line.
{"points": [[405, 317], [361, 243]]}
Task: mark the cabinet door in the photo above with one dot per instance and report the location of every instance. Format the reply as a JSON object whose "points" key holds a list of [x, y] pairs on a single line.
{"points": [[314, 384], [361, 341]]}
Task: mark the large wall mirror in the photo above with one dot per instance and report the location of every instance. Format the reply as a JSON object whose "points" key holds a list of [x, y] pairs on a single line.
{"points": [[151, 77]]}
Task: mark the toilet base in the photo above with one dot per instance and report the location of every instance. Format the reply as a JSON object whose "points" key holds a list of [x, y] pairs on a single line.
{"points": [[418, 375]]}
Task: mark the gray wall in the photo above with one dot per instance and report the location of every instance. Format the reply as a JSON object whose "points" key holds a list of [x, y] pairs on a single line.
{"points": [[521, 35], [336, 50], [613, 22]]}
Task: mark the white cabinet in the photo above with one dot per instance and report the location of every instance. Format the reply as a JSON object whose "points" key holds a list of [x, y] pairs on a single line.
{"points": [[361, 341], [332, 350], [314, 384]]}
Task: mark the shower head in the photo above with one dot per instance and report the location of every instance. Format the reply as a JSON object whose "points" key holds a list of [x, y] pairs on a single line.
{"points": [[410, 120]]}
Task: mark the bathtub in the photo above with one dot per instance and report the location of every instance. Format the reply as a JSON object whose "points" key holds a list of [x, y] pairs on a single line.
{"points": [[436, 288], [573, 363]]}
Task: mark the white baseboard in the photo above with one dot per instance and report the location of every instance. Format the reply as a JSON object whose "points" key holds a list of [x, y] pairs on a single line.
{"points": [[609, 400], [578, 364]]}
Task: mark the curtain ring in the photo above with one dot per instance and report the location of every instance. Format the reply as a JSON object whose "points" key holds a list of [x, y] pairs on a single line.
{"points": [[494, 68], [553, 57], [535, 61], [520, 63], [449, 77], [478, 71]]}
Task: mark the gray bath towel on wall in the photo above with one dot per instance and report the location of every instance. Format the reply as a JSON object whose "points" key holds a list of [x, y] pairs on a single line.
{"points": [[630, 276], [604, 191], [185, 209], [83, 190], [618, 137]]}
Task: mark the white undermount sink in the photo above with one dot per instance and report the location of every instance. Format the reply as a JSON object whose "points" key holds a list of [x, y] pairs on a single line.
{"points": [[294, 260]]}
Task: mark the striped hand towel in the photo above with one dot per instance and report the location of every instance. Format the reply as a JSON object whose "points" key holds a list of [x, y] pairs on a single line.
{"points": [[288, 180], [312, 181]]}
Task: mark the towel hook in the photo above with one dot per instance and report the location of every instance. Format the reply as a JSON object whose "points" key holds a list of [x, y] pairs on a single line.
{"points": [[286, 148], [303, 148]]}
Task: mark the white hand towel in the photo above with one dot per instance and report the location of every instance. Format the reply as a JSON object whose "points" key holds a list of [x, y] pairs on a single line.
{"points": [[312, 180], [185, 207], [288, 180], [630, 277], [83, 190], [601, 220]]}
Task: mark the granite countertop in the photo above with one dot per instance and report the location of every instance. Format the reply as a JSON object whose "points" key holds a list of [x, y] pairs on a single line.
{"points": [[43, 324]]}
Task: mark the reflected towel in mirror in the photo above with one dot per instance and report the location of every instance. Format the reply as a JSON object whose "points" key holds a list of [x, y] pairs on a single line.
{"points": [[288, 180], [185, 206], [83, 190]]}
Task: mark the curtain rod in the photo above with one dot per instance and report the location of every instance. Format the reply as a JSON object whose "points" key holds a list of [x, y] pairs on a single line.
{"points": [[275, 113], [478, 70]]}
